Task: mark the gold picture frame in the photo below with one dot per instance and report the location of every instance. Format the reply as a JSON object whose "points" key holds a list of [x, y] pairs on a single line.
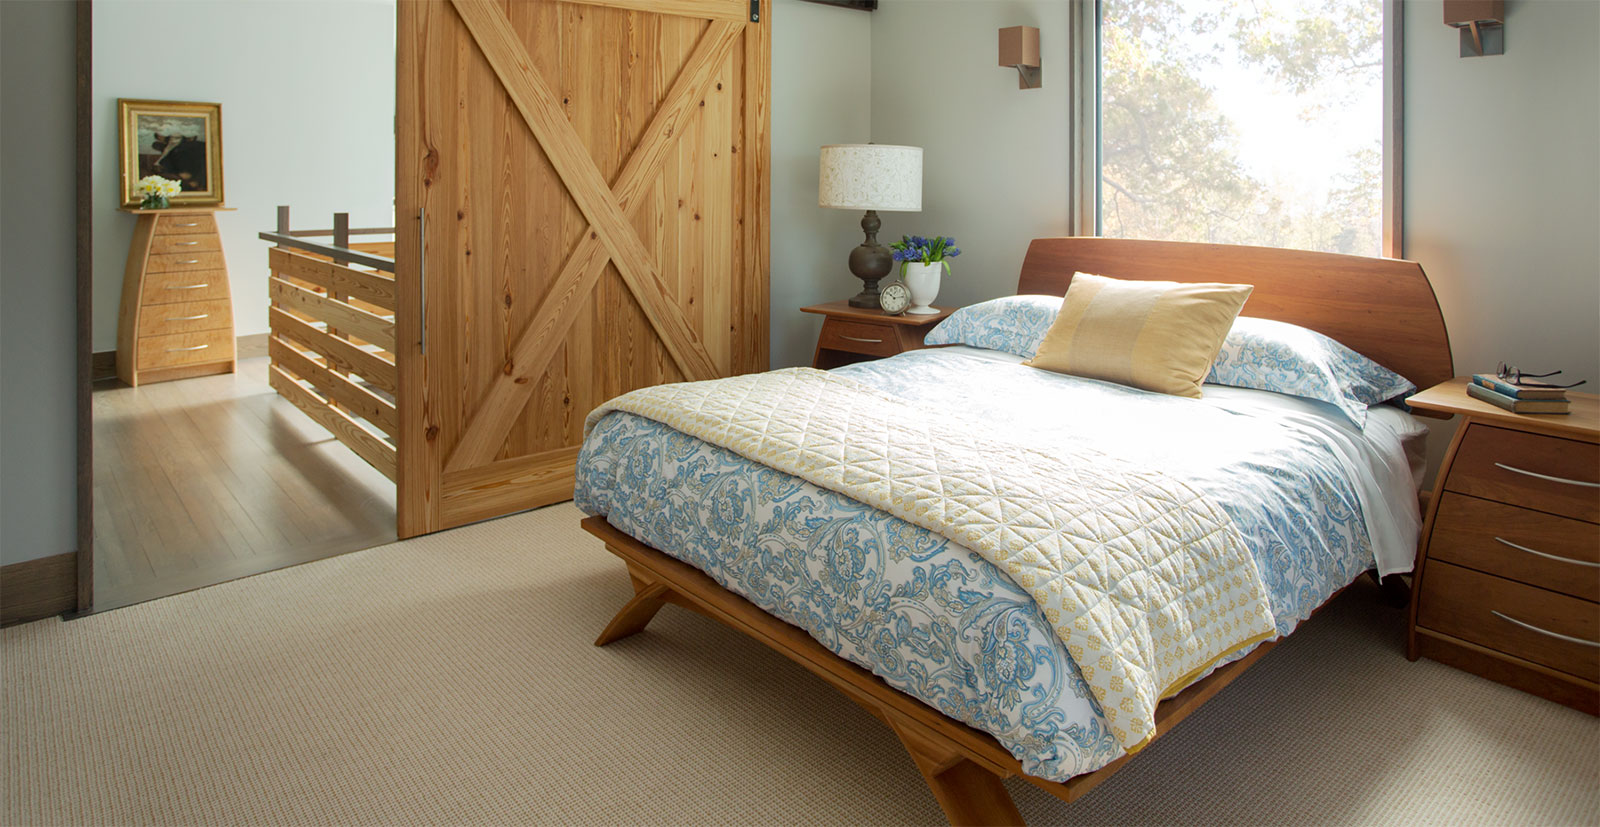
{"points": [[178, 140]]}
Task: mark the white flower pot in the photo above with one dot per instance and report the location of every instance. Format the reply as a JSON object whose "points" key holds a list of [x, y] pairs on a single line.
{"points": [[923, 279]]}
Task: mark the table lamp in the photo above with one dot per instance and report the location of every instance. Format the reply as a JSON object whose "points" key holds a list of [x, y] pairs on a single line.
{"points": [[870, 177]]}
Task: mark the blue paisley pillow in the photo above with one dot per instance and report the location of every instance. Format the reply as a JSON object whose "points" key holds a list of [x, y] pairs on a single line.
{"points": [[1285, 358], [1012, 324]]}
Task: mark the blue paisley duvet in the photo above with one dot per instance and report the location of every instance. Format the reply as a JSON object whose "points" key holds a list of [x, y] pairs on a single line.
{"points": [[1309, 493]]}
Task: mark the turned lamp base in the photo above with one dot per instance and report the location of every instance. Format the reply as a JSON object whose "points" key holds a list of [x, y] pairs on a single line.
{"points": [[870, 261]]}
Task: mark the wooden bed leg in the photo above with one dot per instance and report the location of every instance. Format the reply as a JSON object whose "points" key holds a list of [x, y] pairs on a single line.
{"points": [[648, 598], [968, 793]]}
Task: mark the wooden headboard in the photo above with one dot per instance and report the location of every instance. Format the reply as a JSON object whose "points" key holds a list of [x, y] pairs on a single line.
{"points": [[1382, 308]]}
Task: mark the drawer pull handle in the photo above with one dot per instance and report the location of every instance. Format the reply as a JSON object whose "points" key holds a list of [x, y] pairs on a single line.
{"points": [[188, 286], [1536, 475], [190, 261], [858, 339], [1546, 632], [208, 315], [182, 349], [1547, 556], [190, 224], [187, 243]]}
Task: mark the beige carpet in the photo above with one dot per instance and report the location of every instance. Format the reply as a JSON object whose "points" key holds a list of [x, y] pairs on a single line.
{"points": [[452, 680]]}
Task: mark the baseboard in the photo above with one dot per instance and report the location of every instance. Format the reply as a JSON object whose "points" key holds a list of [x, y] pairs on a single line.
{"points": [[248, 347], [103, 366], [35, 589]]}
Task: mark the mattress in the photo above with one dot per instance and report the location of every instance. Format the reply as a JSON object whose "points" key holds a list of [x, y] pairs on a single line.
{"points": [[1317, 500]]}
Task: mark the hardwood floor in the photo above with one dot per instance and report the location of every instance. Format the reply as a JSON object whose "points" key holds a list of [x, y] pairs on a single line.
{"points": [[204, 480]]}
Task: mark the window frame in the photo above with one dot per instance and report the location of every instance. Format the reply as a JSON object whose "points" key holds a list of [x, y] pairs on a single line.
{"points": [[1083, 118]]}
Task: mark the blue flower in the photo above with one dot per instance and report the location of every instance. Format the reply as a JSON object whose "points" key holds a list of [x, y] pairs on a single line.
{"points": [[918, 241], [952, 252], [899, 255], [950, 239]]}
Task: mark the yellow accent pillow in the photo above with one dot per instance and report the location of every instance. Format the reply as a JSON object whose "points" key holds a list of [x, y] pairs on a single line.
{"points": [[1157, 335]]}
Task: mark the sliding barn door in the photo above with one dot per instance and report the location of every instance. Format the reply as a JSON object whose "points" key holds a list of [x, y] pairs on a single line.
{"points": [[581, 202]]}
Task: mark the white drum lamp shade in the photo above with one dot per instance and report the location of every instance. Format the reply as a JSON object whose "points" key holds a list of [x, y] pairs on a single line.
{"points": [[871, 177]]}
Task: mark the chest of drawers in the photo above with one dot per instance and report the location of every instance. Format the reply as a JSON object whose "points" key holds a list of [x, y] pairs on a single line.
{"points": [[177, 309], [1508, 577]]}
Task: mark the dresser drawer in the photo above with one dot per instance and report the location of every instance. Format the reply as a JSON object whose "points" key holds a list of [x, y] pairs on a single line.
{"points": [[185, 317], [185, 349], [180, 224], [859, 337], [200, 285], [182, 262], [1463, 603], [177, 244], [1555, 553], [1546, 473]]}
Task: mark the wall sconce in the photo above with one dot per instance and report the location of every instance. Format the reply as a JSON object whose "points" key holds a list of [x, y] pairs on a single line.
{"points": [[1019, 48], [1482, 25]]}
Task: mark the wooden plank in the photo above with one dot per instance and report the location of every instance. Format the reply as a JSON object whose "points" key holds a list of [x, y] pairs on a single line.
{"points": [[753, 352], [336, 387], [38, 588], [372, 287], [349, 358], [542, 111], [509, 485], [497, 411], [377, 453], [423, 103], [373, 328], [732, 10]]}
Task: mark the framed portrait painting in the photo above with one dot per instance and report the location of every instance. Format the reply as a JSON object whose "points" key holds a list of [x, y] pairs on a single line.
{"points": [[176, 140]]}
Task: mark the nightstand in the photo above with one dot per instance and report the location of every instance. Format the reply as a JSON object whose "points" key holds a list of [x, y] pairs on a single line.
{"points": [[858, 334], [1508, 569]]}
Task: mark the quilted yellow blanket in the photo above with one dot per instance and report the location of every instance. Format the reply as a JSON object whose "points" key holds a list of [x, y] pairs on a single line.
{"points": [[1145, 580]]}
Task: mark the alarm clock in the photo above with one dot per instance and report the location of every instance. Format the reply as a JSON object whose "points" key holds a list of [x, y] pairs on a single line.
{"points": [[895, 298]]}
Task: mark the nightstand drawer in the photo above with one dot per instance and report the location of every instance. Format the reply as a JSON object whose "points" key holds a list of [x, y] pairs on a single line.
{"points": [[859, 337], [185, 348], [1532, 547], [185, 317], [1529, 623], [1546, 473], [186, 225]]}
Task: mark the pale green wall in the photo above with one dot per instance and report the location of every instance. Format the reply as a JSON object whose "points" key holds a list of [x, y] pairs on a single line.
{"points": [[38, 303], [995, 164], [821, 92], [1502, 184]]}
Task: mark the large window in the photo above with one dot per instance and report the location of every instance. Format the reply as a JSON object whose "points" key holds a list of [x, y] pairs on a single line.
{"points": [[1243, 122]]}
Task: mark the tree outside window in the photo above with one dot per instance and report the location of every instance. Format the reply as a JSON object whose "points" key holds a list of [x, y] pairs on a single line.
{"points": [[1243, 122]]}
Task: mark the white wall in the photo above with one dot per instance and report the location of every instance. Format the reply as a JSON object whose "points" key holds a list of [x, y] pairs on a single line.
{"points": [[38, 303], [995, 163], [307, 94], [821, 94], [1503, 185]]}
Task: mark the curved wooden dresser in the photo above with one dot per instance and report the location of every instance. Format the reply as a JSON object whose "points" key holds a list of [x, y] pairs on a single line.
{"points": [[177, 309], [1508, 577]]}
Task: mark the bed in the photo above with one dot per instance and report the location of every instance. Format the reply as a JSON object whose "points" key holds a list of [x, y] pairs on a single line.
{"points": [[968, 663]]}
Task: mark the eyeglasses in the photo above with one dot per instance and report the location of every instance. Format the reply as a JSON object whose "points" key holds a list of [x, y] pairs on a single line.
{"points": [[1516, 377]]}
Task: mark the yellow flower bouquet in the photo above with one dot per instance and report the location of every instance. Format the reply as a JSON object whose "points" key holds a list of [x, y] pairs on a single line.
{"points": [[157, 192]]}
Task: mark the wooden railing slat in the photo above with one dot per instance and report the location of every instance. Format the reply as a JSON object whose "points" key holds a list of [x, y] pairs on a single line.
{"points": [[369, 366], [373, 328], [377, 452], [374, 288], [357, 399]]}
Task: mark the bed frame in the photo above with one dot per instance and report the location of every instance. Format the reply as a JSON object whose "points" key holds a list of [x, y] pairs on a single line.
{"points": [[1382, 308]]}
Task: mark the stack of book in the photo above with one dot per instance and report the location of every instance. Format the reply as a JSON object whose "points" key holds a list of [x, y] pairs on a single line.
{"points": [[1522, 399]]}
